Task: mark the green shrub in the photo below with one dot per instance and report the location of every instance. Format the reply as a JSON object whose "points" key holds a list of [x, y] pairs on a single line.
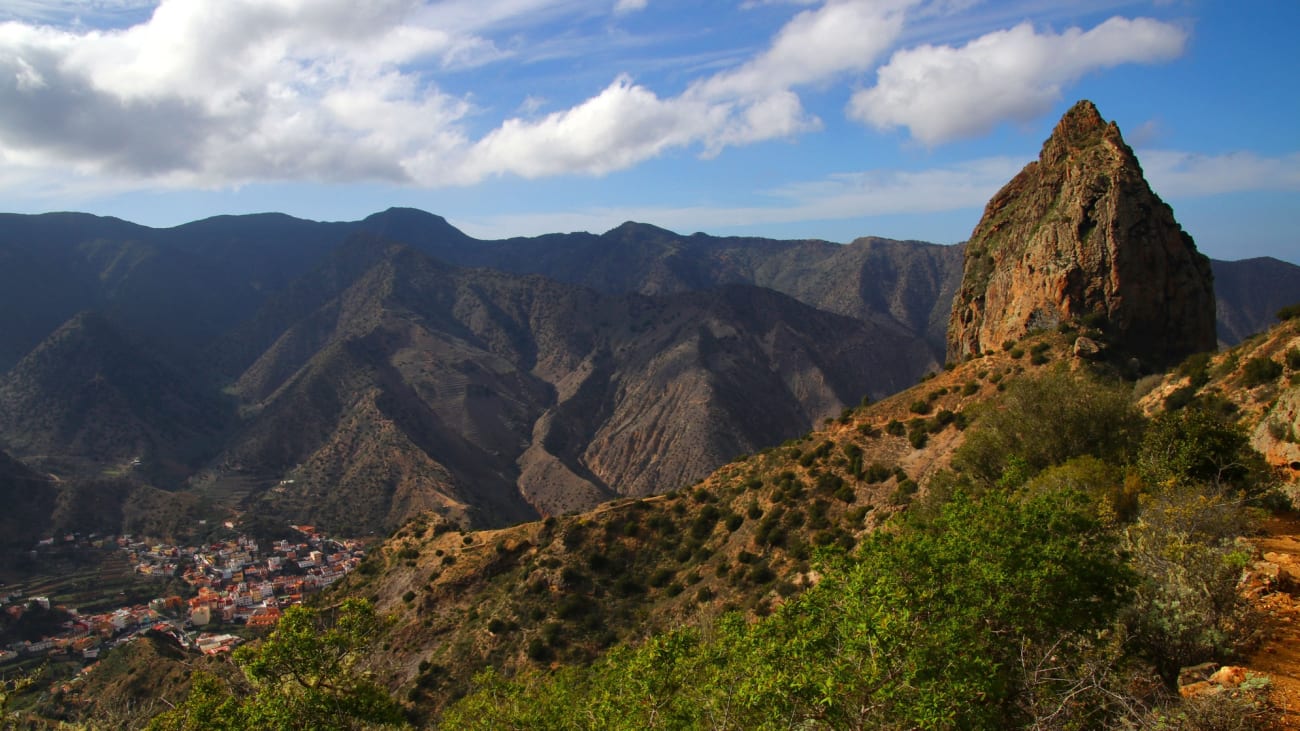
{"points": [[1180, 397], [1260, 370], [1196, 367], [1290, 312], [920, 407], [918, 438], [1047, 420]]}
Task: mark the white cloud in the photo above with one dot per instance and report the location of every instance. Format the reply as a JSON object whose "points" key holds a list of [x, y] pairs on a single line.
{"points": [[847, 196], [1176, 174], [217, 94], [815, 46], [943, 93], [222, 93], [619, 127], [627, 123], [836, 197]]}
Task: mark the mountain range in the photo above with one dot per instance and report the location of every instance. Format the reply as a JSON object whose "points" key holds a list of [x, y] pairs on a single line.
{"points": [[356, 373]]}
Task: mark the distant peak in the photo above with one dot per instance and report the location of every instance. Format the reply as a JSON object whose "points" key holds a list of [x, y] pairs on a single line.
{"points": [[633, 228], [407, 214], [412, 225]]}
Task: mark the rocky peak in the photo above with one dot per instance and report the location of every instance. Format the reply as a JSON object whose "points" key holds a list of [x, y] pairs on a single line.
{"points": [[1079, 234]]}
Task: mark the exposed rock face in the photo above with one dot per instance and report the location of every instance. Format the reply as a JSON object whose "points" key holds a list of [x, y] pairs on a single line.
{"points": [[1078, 233]]}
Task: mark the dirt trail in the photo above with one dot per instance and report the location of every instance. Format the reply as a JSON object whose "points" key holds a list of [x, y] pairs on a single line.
{"points": [[1278, 654]]}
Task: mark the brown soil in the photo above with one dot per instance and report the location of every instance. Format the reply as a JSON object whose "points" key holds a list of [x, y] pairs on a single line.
{"points": [[1278, 653]]}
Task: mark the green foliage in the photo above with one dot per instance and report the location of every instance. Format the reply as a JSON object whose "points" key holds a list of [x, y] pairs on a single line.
{"points": [[1196, 445], [302, 676], [1290, 312], [1180, 397], [930, 628], [1186, 608], [1260, 370], [1196, 367], [1046, 421]]}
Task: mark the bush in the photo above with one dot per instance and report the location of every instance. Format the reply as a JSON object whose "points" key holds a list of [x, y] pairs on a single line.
{"points": [[895, 428], [1260, 370], [1196, 367], [1047, 420], [1180, 397], [1290, 312], [1186, 608], [539, 651], [918, 438], [1196, 445], [920, 407]]}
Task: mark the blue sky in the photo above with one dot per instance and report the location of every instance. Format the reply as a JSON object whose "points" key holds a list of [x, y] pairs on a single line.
{"points": [[827, 119]]}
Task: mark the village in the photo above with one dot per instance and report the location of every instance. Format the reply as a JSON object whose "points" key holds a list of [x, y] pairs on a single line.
{"points": [[231, 583]]}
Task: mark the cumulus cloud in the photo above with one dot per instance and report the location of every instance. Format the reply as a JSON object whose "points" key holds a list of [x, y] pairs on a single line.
{"points": [[206, 93], [815, 46], [943, 93], [222, 93], [622, 125], [215, 94], [627, 123]]}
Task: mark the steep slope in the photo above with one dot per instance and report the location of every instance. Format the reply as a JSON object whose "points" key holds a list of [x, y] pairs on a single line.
{"points": [[566, 589], [907, 283], [89, 393], [1079, 234], [1248, 294], [56, 265], [493, 397], [28, 498], [183, 287]]}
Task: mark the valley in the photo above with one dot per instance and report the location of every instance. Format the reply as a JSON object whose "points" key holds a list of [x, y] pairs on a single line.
{"points": [[753, 482]]}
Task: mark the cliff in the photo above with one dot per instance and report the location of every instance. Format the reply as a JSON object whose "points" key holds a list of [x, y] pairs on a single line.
{"points": [[1079, 235]]}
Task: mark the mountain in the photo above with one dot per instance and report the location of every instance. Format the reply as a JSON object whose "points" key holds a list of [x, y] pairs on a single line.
{"points": [[496, 380], [29, 499], [89, 393], [1077, 235], [1249, 293], [414, 385], [184, 287]]}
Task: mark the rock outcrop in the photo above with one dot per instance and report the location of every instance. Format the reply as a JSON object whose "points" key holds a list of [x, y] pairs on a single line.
{"points": [[1079, 235]]}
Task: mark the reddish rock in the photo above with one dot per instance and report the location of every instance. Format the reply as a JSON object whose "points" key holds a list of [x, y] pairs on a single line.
{"points": [[1080, 233], [1229, 676]]}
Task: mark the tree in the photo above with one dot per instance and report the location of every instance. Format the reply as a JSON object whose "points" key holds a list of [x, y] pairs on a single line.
{"points": [[302, 676], [1045, 421], [1196, 445]]}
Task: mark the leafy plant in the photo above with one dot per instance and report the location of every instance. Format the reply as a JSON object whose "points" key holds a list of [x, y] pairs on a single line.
{"points": [[302, 676]]}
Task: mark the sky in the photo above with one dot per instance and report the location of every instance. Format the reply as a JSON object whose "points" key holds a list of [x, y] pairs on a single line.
{"points": [[829, 119]]}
